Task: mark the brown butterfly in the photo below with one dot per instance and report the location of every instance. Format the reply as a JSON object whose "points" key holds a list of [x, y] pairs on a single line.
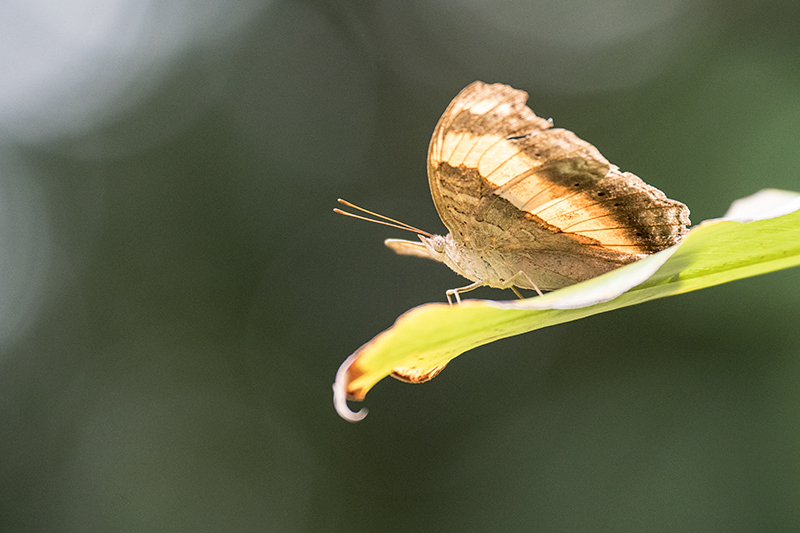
{"points": [[529, 205]]}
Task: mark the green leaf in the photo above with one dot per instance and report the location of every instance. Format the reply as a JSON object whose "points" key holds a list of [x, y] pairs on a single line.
{"points": [[759, 234]]}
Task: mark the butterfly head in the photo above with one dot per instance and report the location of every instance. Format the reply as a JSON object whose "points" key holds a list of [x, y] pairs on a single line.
{"points": [[448, 251], [436, 246]]}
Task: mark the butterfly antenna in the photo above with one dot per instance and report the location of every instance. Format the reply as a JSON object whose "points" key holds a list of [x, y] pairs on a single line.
{"points": [[392, 223]]}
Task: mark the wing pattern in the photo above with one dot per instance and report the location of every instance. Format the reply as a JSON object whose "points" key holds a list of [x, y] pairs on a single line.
{"points": [[504, 179]]}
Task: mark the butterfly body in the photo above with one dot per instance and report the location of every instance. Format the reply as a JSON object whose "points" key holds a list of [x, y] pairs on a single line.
{"points": [[533, 206], [488, 267]]}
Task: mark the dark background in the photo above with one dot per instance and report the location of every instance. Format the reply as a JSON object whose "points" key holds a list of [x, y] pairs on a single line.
{"points": [[176, 294]]}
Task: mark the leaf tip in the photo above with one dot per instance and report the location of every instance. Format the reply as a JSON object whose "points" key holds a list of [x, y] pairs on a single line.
{"points": [[340, 393]]}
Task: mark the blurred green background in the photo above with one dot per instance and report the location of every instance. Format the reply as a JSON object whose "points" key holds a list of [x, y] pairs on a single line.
{"points": [[176, 294]]}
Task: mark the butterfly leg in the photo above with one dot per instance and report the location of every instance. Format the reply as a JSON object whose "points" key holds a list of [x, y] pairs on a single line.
{"points": [[510, 284], [456, 292]]}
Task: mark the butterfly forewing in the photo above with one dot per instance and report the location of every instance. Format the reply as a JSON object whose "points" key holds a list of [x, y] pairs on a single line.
{"points": [[503, 180]]}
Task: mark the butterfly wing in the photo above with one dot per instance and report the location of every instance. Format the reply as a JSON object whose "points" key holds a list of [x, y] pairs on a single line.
{"points": [[511, 187]]}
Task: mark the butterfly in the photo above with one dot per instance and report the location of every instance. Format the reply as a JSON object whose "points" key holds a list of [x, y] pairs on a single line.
{"points": [[528, 205]]}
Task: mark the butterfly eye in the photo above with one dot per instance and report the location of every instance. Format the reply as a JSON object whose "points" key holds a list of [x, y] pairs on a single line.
{"points": [[437, 242]]}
